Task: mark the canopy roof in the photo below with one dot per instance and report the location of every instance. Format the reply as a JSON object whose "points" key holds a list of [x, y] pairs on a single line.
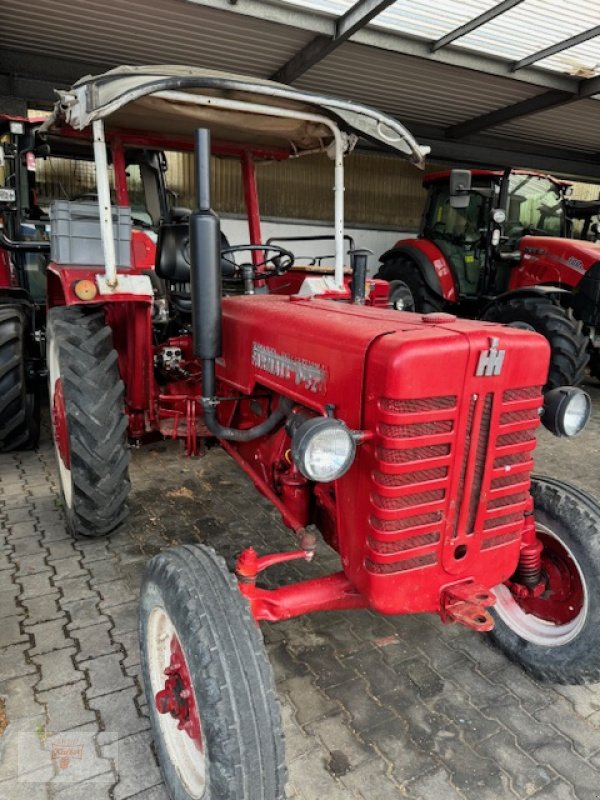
{"points": [[160, 99]]}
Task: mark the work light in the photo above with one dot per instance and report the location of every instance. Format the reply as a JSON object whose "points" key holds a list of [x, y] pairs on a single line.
{"points": [[567, 410], [323, 449]]}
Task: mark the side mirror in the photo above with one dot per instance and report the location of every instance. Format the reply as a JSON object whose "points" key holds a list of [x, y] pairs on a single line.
{"points": [[460, 186]]}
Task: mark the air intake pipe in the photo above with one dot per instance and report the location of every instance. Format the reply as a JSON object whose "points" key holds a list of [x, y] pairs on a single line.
{"points": [[358, 262], [205, 279]]}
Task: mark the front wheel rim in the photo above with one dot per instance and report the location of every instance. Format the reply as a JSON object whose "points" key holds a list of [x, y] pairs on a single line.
{"points": [[60, 432], [557, 617], [180, 727]]}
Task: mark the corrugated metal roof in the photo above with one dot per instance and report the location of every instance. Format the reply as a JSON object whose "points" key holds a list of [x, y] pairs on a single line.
{"points": [[527, 28]]}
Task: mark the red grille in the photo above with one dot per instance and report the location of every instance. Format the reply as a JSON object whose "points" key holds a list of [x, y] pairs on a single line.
{"points": [[509, 480], [406, 523], [400, 545], [419, 429], [508, 500], [519, 416], [514, 458], [420, 476], [394, 456], [496, 522], [515, 438], [417, 499], [416, 406], [526, 393], [480, 456], [500, 538], [401, 566]]}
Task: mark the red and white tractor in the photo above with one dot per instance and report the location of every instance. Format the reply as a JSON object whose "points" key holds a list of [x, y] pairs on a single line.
{"points": [[406, 439]]}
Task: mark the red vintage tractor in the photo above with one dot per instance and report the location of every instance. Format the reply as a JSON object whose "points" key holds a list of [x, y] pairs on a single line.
{"points": [[405, 439], [25, 251], [495, 245]]}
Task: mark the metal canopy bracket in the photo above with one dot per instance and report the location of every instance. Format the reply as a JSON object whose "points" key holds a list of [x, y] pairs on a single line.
{"points": [[556, 48], [357, 16]]}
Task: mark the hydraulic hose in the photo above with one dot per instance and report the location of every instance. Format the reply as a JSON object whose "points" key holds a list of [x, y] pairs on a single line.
{"points": [[28, 247], [210, 401]]}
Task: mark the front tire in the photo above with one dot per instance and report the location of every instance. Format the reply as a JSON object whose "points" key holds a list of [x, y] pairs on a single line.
{"points": [[556, 637], [89, 426], [19, 405], [569, 345], [204, 663], [407, 272]]}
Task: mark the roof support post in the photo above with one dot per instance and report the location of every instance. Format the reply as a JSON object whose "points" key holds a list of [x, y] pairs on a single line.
{"points": [[357, 16], [565, 44]]}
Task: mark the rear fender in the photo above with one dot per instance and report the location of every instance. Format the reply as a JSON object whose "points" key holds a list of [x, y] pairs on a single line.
{"points": [[131, 286], [431, 262], [558, 293]]}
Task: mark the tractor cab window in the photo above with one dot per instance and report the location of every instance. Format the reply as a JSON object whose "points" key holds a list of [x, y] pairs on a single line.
{"points": [[535, 207], [460, 235]]}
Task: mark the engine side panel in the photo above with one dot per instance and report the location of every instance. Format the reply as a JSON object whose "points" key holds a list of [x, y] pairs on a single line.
{"points": [[552, 260]]}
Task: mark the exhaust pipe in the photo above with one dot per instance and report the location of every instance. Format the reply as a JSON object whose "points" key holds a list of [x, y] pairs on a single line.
{"points": [[358, 264], [205, 280]]}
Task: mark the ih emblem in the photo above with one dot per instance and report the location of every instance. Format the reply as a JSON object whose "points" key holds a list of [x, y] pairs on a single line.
{"points": [[490, 361]]}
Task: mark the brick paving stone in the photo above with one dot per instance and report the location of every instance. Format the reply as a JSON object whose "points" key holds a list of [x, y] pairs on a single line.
{"points": [[137, 767], [21, 790], [12, 758], [31, 564], [74, 589], [557, 790], [584, 699], [24, 530], [105, 675], [336, 736], [434, 786], [129, 645], [372, 780], [103, 570], [115, 593], [55, 533], [474, 727], [119, 714], [584, 738], [392, 741], [20, 701], [13, 661], [297, 741], [369, 665], [93, 641], [66, 568], [48, 636], [65, 707], [7, 579], [90, 790], [84, 612], [309, 774], [310, 704], [526, 776], [532, 695], [355, 699], [61, 548], [124, 617], [529, 732], [57, 669], [10, 632], [155, 793], [40, 609], [36, 585], [579, 773], [27, 546]]}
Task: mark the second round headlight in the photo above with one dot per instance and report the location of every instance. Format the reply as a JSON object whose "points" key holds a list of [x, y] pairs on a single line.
{"points": [[323, 449]]}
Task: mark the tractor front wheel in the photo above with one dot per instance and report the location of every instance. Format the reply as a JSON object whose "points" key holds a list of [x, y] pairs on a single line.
{"points": [[569, 355], [88, 422], [556, 635], [19, 405], [408, 287], [210, 690]]}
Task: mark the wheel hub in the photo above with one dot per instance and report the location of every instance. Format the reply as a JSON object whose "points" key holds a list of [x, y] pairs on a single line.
{"points": [[177, 697], [59, 424]]}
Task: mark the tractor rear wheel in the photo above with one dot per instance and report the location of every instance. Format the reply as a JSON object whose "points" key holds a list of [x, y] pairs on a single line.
{"points": [[568, 343], [19, 405], [89, 425], [407, 273], [556, 636], [209, 685]]}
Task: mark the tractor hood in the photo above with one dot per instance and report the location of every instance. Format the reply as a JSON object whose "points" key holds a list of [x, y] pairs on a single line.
{"points": [[143, 99], [573, 254]]}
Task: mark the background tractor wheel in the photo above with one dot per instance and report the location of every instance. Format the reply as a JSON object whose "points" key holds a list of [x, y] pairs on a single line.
{"points": [[400, 297], [406, 271], [209, 685], [88, 422], [19, 406], [556, 637], [569, 356]]}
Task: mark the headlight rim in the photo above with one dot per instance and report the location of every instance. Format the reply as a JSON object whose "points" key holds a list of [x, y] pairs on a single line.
{"points": [[305, 432]]}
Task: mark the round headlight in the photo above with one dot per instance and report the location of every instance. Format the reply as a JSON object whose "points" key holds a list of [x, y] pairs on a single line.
{"points": [[499, 215], [566, 410], [323, 449]]}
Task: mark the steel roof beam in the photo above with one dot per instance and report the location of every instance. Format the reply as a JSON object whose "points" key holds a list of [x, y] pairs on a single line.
{"points": [[556, 48], [474, 23], [357, 16], [539, 102]]}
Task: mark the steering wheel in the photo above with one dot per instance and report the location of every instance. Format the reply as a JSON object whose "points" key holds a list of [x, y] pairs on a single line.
{"points": [[281, 259]]}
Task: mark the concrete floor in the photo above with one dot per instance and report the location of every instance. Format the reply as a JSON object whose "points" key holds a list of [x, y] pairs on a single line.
{"points": [[374, 708]]}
